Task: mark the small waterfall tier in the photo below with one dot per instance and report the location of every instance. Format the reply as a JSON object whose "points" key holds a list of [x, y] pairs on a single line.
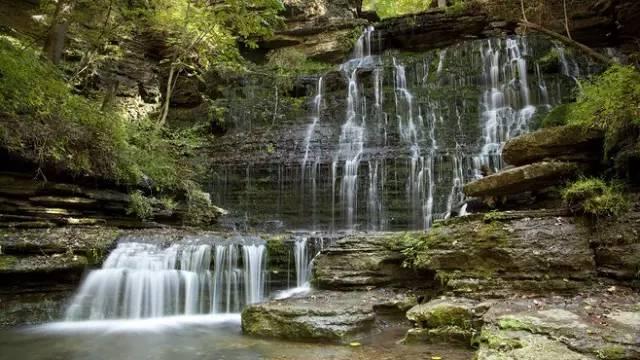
{"points": [[142, 278]]}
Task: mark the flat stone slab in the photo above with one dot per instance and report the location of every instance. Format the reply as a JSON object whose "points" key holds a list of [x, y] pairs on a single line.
{"points": [[521, 179], [567, 143], [330, 316], [604, 324]]}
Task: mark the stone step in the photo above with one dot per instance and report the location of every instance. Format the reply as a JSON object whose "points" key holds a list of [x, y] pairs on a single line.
{"points": [[567, 143], [524, 178]]}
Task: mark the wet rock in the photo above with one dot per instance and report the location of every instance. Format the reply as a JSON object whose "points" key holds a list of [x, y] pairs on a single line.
{"points": [[591, 326], [617, 247], [566, 143], [364, 261], [327, 316], [93, 242], [532, 177], [438, 28], [442, 320], [443, 312], [487, 256], [32, 308], [44, 263], [498, 344], [321, 29]]}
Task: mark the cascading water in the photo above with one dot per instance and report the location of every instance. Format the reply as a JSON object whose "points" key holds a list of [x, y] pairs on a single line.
{"points": [[144, 280], [351, 142], [415, 129]]}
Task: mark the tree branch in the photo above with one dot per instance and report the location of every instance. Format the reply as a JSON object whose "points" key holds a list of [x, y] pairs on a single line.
{"points": [[565, 40]]}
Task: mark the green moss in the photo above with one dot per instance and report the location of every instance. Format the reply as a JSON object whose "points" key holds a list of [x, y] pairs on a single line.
{"points": [[610, 102], [491, 234], [550, 62], [417, 246], [278, 250], [558, 116], [595, 197], [514, 323], [7, 262], [495, 339], [611, 352], [446, 316]]}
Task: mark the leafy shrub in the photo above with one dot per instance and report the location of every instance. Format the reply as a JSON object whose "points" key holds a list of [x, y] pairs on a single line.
{"points": [[286, 58], [200, 210], [392, 8], [595, 197], [611, 102], [44, 122], [140, 206]]}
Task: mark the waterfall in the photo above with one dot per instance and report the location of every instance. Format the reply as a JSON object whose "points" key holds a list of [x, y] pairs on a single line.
{"points": [[254, 270], [301, 257], [315, 118], [145, 280], [351, 141], [506, 102], [410, 131]]}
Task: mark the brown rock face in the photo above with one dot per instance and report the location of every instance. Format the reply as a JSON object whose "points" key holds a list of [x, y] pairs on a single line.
{"points": [[523, 178], [359, 262], [566, 143]]}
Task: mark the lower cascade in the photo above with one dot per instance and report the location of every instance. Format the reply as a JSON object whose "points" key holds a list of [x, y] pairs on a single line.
{"points": [[145, 280]]}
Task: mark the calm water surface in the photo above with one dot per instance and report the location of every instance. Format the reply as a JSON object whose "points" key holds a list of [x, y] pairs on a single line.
{"points": [[186, 338]]}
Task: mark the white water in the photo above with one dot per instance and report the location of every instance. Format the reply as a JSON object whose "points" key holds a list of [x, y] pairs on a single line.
{"points": [[506, 102], [352, 135], [144, 280]]}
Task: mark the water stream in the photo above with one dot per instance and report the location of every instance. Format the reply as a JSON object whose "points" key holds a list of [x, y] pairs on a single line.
{"points": [[390, 138]]}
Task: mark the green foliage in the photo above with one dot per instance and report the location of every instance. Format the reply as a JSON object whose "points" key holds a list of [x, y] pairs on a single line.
{"points": [[611, 102], [140, 206], [200, 210], [43, 121], [558, 116], [286, 58], [595, 197], [459, 6], [287, 64], [205, 33], [391, 8]]}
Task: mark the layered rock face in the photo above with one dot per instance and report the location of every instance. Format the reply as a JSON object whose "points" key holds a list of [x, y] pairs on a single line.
{"points": [[320, 29], [542, 159], [40, 269], [365, 261]]}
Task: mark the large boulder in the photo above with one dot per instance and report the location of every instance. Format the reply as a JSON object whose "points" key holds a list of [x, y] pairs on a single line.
{"points": [[328, 316], [517, 180], [443, 320], [566, 143], [496, 255]]}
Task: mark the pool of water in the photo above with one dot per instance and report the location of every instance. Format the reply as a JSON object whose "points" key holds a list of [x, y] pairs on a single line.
{"points": [[193, 337]]}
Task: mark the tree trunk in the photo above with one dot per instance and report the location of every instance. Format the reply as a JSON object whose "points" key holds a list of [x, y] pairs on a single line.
{"points": [[167, 97], [54, 44], [442, 3]]}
